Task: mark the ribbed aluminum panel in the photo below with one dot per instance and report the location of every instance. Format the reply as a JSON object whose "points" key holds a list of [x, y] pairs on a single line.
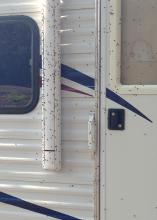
{"points": [[71, 190]]}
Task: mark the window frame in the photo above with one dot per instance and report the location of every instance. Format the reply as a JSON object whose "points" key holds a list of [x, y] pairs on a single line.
{"points": [[36, 64], [114, 54]]}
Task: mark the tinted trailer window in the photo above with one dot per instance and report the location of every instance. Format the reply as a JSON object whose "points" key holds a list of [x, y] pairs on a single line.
{"points": [[19, 64], [139, 42]]}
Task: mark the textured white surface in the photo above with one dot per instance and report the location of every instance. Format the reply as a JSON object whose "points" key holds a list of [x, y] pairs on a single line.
{"points": [[72, 189], [51, 94]]}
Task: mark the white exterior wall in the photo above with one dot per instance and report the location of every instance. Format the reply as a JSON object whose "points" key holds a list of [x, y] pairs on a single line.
{"points": [[71, 190]]}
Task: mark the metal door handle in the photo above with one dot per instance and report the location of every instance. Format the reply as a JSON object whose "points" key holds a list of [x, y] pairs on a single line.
{"points": [[92, 134]]}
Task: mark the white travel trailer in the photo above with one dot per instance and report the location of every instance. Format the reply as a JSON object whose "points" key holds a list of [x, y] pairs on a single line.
{"points": [[77, 128]]}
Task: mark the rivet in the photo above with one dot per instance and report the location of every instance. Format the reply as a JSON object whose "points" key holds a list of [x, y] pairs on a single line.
{"points": [[113, 113]]}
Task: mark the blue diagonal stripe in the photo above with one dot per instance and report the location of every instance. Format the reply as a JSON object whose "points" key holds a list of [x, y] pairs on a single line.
{"points": [[119, 100], [76, 76], [83, 79], [14, 201]]}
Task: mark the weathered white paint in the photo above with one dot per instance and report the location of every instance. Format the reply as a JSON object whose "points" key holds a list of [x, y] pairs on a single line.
{"points": [[72, 190], [128, 158], [51, 103]]}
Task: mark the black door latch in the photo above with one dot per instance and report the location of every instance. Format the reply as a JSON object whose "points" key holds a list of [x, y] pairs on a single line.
{"points": [[116, 119]]}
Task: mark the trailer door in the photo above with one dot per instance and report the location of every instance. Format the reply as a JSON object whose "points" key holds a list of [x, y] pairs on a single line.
{"points": [[131, 115]]}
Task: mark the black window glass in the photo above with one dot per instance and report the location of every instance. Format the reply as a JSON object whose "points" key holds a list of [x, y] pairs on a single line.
{"points": [[19, 64]]}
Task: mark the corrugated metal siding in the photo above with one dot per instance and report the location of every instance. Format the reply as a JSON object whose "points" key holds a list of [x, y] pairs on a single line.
{"points": [[71, 190], [78, 38]]}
